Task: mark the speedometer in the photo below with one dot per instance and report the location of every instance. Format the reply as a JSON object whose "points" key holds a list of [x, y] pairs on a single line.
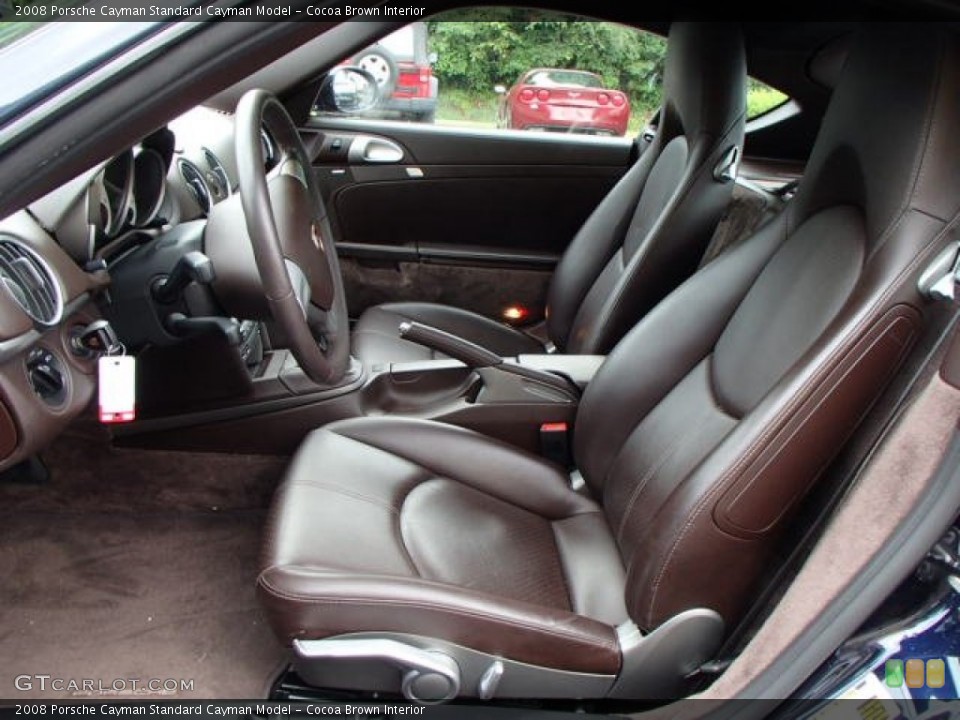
{"points": [[149, 186]]}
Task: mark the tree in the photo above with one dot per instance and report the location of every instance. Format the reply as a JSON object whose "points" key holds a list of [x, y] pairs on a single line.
{"points": [[480, 48]]}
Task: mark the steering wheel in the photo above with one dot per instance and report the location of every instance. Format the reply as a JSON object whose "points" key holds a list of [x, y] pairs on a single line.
{"points": [[291, 239]]}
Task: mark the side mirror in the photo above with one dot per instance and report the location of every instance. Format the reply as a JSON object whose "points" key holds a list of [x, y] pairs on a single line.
{"points": [[500, 89], [348, 89], [432, 58]]}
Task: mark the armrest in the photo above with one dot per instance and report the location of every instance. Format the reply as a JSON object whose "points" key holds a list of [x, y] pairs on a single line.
{"points": [[579, 369]]}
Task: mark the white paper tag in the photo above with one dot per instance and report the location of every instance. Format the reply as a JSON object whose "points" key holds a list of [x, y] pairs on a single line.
{"points": [[118, 394]]}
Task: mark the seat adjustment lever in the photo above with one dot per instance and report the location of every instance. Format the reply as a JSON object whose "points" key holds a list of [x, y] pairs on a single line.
{"points": [[429, 676]]}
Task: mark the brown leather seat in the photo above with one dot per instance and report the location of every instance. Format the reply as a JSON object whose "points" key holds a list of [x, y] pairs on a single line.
{"points": [[697, 438], [643, 240]]}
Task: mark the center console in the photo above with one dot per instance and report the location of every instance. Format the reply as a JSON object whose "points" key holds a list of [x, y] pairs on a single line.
{"points": [[506, 401], [507, 398]]}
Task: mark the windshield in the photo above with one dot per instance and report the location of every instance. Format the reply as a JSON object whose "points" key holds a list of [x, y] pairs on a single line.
{"points": [[38, 58], [552, 78]]}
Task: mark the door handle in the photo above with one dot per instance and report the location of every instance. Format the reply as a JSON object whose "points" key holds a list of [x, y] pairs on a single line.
{"points": [[369, 149]]}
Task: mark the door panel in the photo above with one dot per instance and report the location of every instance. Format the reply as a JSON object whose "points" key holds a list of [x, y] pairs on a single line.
{"points": [[475, 219]]}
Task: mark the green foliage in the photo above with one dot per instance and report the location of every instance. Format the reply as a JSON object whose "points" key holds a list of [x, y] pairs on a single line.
{"points": [[13, 31], [487, 47], [761, 98], [480, 48], [456, 106]]}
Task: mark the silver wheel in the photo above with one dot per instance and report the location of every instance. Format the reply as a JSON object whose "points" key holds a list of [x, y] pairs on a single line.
{"points": [[378, 66]]}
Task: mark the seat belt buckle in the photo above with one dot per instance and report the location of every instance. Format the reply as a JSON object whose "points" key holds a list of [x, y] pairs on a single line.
{"points": [[555, 443]]}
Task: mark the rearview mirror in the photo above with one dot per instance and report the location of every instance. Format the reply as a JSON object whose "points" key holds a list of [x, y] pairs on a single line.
{"points": [[348, 89]]}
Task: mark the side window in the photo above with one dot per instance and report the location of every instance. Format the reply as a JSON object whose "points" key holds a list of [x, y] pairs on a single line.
{"points": [[517, 69], [762, 98]]}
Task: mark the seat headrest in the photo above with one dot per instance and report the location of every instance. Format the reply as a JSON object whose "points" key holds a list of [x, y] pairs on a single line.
{"points": [[704, 79], [889, 141]]}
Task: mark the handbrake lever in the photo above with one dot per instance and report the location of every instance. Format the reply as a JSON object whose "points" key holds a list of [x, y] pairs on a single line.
{"points": [[469, 353], [479, 357]]}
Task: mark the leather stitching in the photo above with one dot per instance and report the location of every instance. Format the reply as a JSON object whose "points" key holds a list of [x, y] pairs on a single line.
{"points": [[436, 607], [802, 396], [392, 509], [669, 452], [339, 490], [841, 371], [570, 511]]}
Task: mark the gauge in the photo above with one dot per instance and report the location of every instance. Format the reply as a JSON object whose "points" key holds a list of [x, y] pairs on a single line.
{"points": [[118, 186], [149, 186]]}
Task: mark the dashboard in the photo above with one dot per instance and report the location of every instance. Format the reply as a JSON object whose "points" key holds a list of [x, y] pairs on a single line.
{"points": [[60, 260]]}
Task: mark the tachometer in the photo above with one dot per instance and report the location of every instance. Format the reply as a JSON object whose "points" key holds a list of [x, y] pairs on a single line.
{"points": [[118, 178]]}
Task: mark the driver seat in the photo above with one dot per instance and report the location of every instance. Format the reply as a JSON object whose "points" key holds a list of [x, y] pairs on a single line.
{"points": [[409, 556], [645, 237]]}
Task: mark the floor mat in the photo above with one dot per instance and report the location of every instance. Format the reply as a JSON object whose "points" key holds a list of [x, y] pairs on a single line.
{"points": [[128, 565], [111, 597], [88, 474]]}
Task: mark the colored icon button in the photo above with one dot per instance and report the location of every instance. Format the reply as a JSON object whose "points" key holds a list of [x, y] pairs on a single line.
{"points": [[914, 673], [894, 672], [936, 674]]}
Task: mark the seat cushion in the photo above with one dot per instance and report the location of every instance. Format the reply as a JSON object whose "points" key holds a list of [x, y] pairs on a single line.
{"points": [[410, 526], [376, 340]]}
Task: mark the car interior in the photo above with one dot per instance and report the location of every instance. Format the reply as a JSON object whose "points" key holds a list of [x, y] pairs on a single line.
{"points": [[345, 475]]}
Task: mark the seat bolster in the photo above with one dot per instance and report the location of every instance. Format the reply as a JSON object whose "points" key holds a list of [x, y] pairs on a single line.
{"points": [[376, 339], [486, 464], [593, 246], [311, 603], [596, 579]]}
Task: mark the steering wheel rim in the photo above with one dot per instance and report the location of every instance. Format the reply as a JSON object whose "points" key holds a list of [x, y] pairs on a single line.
{"points": [[299, 270]]}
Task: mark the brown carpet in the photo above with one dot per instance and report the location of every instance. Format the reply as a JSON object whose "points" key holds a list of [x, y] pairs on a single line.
{"points": [[132, 564]]}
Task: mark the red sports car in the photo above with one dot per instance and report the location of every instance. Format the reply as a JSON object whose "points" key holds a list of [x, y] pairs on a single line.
{"points": [[563, 100]]}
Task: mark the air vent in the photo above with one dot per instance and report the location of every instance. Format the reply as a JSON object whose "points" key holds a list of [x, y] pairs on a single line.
{"points": [[198, 186], [218, 179], [30, 281]]}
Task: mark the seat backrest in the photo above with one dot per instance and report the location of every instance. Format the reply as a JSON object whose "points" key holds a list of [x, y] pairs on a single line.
{"points": [[711, 419], [650, 231]]}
